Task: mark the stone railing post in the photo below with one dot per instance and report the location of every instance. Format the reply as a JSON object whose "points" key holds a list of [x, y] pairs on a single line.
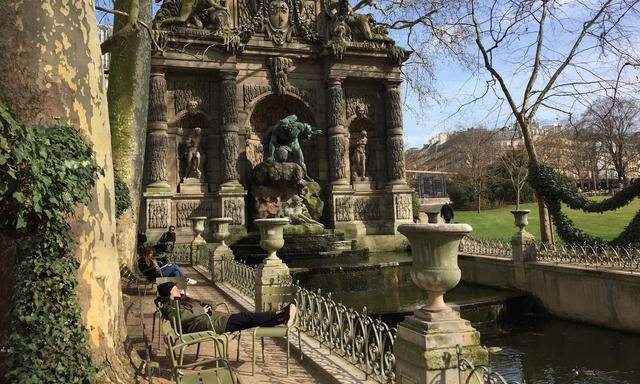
{"points": [[395, 143], [229, 111], [523, 247], [219, 228], [338, 141], [427, 343], [272, 276], [157, 138]]}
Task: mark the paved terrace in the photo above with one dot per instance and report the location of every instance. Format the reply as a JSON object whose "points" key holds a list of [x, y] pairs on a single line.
{"points": [[314, 368]]}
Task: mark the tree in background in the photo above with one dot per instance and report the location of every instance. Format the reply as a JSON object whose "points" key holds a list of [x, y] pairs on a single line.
{"points": [[615, 123], [474, 150], [515, 164]]}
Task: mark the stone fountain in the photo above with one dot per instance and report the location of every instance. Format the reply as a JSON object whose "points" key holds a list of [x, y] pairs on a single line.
{"points": [[427, 341]]}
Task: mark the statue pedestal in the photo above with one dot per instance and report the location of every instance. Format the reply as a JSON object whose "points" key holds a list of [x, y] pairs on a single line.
{"points": [[363, 184], [192, 185], [426, 347]]}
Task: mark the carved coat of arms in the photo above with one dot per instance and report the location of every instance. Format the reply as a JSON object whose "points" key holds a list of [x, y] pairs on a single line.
{"points": [[277, 25]]}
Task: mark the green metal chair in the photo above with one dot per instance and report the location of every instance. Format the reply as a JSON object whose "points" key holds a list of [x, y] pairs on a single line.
{"points": [[203, 336], [181, 283], [218, 372], [262, 332]]}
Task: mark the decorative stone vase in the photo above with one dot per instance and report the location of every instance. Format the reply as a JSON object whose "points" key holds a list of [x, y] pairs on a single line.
{"points": [[433, 217], [271, 239], [219, 228], [435, 260], [197, 225], [521, 218]]}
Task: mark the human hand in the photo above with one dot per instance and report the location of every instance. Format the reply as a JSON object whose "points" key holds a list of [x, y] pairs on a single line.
{"points": [[207, 309]]}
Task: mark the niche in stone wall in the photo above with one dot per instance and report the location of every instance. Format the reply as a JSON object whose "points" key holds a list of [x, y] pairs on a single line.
{"points": [[193, 105], [270, 109]]}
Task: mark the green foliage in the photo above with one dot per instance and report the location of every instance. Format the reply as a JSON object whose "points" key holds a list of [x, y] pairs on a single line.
{"points": [[460, 194], [555, 190], [415, 204], [45, 172], [338, 47], [123, 199]]}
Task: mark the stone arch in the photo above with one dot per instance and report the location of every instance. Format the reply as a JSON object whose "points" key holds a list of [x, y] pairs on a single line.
{"points": [[268, 109]]}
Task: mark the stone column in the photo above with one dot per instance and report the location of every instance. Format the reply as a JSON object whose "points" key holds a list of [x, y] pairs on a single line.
{"points": [[229, 111], [157, 138], [337, 133], [395, 144]]}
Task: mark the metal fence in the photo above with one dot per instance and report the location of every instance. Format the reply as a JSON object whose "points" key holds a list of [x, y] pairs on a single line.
{"points": [[239, 275], [365, 342], [468, 373], [485, 247], [603, 256]]}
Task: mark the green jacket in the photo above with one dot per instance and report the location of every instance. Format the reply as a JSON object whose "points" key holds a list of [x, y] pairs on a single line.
{"points": [[193, 316]]}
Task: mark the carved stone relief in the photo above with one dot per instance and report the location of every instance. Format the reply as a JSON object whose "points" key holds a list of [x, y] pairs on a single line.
{"points": [[279, 68], [230, 156], [185, 91], [157, 144], [367, 208], [344, 209], [338, 156], [403, 207], [189, 208], [234, 208], [158, 214], [362, 103], [251, 91], [277, 23], [254, 150], [395, 155]]}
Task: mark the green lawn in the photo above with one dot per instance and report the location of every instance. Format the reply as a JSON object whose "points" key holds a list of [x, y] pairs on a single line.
{"points": [[498, 223]]}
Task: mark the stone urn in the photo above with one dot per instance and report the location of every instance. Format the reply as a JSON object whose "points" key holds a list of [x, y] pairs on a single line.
{"points": [[521, 218], [219, 228], [434, 248], [433, 217], [197, 225], [271, 239]]}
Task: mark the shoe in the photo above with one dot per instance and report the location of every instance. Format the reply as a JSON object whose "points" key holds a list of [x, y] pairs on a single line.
{"points": [[293, 312], [191, 281]]}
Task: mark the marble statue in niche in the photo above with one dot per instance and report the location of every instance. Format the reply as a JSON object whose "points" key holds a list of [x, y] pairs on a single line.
{"points": [[359, 157], [192, 155]]}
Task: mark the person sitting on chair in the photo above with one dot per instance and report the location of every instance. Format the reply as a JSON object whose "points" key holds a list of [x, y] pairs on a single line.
{"points": [[151, 269], [195, 314], [167, 241]]}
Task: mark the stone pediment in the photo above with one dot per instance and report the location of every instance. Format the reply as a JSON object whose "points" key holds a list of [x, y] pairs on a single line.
{"points": [[334, 25]]}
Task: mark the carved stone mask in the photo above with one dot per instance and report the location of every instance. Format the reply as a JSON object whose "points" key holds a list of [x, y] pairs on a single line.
{"points": [[192, 107], [361, 111], [279, 14]]}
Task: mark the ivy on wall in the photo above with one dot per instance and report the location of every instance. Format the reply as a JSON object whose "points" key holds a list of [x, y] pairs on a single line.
{"points": [[45, 172], [123, 199], [554, 190]]}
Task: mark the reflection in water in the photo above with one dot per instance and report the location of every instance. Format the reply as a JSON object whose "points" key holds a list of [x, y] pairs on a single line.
{"points": [[539, 350]]}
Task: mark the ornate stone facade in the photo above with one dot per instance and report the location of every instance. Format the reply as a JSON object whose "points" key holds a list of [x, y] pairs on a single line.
{"points": [[233, 68]]}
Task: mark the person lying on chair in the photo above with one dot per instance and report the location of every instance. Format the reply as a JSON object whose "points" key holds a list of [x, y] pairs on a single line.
{"points": [[151, 269], [194, 314]]}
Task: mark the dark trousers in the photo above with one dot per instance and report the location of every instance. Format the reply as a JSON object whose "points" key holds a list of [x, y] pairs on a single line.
{"points": [[246, 320]]}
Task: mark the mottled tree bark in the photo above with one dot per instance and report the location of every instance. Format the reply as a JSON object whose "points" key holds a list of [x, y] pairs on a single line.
{"points": [[52, 74], [128, 99]]}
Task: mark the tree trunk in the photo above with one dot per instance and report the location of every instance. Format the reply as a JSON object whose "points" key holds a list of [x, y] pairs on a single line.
{"points": [[52, 74], [128, 97], [546, 235]]}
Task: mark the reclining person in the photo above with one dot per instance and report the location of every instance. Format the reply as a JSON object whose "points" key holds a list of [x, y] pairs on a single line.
{"points": [[151, 269], [194, 314]]}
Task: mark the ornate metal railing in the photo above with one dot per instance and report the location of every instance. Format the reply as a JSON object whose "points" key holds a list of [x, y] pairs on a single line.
{"points": [[201, 255], [239, 275], [603, 256], [468, 373], [181, 253], [360, 339], [485, 247]]}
